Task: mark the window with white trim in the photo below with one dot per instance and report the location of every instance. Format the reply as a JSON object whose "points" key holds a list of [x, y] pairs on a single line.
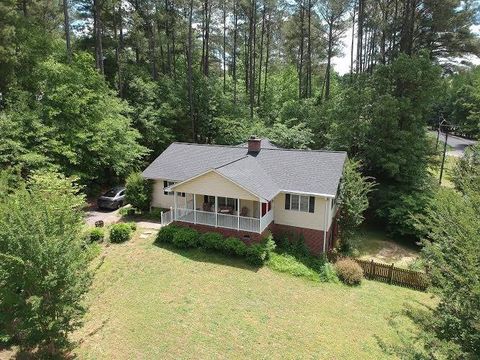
{"points": [[302, 203], [170, 183]]}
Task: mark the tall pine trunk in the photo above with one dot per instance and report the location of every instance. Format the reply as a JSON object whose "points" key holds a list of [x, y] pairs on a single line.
{"points": [[189, 73], [66, 25]]}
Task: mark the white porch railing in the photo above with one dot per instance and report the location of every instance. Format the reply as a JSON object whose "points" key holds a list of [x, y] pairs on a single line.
{"points": [[223, 220], [266, 220], [166, 217]]}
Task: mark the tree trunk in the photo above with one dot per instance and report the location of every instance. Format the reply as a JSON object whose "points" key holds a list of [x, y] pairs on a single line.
{"points": [[329, 57], [300, 51], [267, 57], [66, 25], [261, 55], [309, 51], [224, 46], [189, 73], [97, 26], [360, 36], [234, 51], [353, 39]]}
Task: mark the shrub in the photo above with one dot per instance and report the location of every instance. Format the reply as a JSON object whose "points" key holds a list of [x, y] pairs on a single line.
{"points": [[96, 235], [166, 233], [211, 240], [185, 238], [132, 225], [256, 254], [269, 245], [138, 191], [349, 271], [328, 273], [120, 233], [234, 246]]}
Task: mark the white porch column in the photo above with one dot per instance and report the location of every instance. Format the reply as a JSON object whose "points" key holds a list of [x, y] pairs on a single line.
{"points": [[194, 208], [238, 214], [175, 204], [216, 211]]}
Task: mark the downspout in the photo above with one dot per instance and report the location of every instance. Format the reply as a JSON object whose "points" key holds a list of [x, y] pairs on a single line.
{"points": [[325, 224]]}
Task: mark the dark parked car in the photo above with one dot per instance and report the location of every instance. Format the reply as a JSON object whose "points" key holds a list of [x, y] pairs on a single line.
{"points": [[112, 199]]}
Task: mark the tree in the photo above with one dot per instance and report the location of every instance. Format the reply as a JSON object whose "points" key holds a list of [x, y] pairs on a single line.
{"points": [[333, 13], [450, 253], [352, 202], [77, 124], [44, 273], [466, 174], [138, 191]]}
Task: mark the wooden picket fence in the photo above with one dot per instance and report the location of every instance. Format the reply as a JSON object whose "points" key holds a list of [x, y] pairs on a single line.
{"points": [[393, 275]]}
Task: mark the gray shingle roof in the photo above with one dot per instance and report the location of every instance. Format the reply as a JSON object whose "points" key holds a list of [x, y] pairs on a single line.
{"points": [[267, 173]]}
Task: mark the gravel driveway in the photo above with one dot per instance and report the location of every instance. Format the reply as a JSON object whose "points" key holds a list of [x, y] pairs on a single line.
{"points": [[109, 217]]}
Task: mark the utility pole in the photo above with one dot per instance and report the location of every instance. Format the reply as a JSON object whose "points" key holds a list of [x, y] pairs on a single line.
{"points": [[447, 128]]}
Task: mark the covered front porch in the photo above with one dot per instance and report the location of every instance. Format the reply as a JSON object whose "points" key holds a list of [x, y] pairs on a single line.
{"points": [[223, 212]]}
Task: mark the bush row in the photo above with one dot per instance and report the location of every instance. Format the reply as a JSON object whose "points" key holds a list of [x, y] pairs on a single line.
{"points": [[118, 233], [181, 237]]}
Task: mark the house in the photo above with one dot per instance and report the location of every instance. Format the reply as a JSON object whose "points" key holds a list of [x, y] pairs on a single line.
{"points": [[249, 189]]}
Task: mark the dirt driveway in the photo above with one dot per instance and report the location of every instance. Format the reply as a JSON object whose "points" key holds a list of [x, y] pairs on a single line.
{"points": [[109, 217]]}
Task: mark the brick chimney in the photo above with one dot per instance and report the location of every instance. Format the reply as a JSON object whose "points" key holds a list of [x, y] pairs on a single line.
{"points": [[254, 145]]}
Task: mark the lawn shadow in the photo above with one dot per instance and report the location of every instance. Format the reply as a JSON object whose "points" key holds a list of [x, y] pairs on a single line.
{"points": [[208, 256], [420, 315]]}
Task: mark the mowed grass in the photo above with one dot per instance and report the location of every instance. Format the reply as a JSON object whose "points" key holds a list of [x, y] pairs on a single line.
{"points": [[150, 302]]}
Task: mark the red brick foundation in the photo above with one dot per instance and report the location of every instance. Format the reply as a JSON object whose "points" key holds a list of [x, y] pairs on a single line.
{"points": [[313, 238], [246, 236]]}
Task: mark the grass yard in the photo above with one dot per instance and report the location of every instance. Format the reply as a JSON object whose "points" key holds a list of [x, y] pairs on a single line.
{"points": [[151, 302]]}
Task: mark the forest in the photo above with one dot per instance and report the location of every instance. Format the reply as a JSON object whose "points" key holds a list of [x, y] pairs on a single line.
{"points": [[97, 89]]}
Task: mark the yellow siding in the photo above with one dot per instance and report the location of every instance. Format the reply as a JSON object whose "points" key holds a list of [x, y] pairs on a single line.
{"points": [[307, 220], [158, 197], [216, 185]]}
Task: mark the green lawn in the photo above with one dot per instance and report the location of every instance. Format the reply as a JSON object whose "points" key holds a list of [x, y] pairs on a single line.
{"points": [[150, 302]]}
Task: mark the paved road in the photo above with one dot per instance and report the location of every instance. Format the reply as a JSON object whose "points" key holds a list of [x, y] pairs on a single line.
{"points": [[457, 143]]}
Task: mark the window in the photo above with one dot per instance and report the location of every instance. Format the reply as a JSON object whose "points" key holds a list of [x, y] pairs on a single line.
{"points": [[224, 201], [300, 203], [165, 185]]}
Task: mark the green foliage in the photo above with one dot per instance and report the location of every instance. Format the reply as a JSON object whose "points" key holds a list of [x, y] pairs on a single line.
{"points": [[77, 124], [166, 233], [181, 237], [96, 234], [185, 238], [466, 174], [138, 191], [352, 202], [44, 273], [289, 264], [211, 240], [450, 254], [349, 271], [120, 232]]}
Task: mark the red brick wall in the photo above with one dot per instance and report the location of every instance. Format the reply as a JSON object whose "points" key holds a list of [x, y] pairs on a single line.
{"points": [[313, 238], [248, 237]]}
